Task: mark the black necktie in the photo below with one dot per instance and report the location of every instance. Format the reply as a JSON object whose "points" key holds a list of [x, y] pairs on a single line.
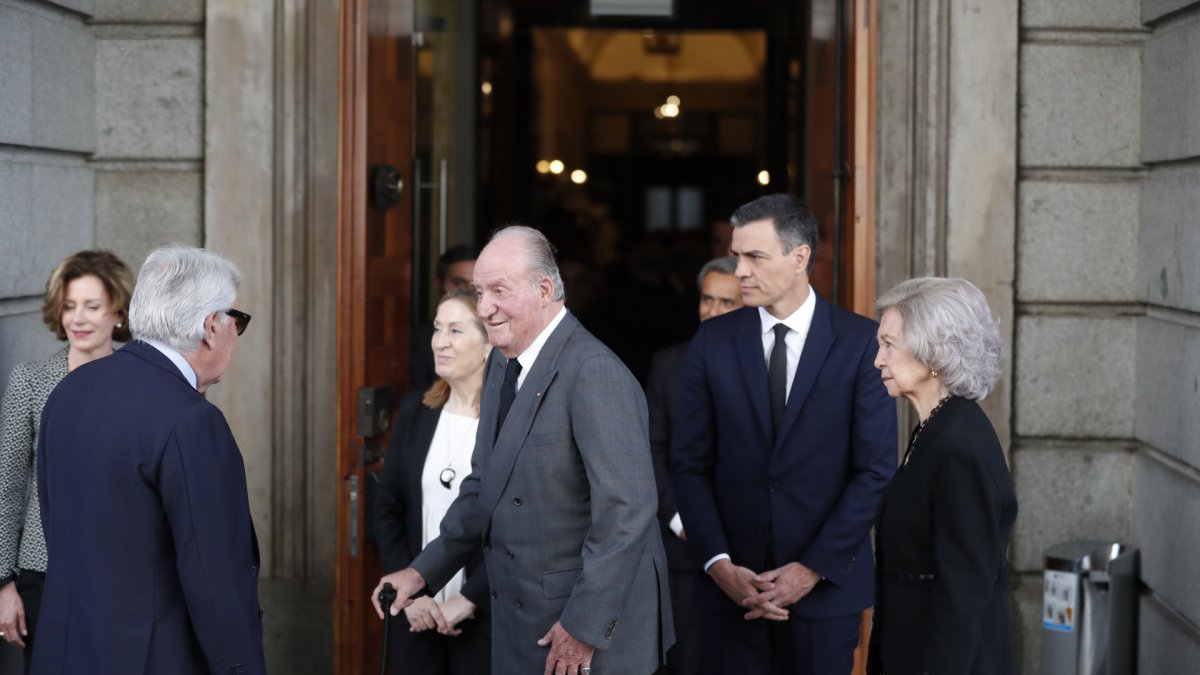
{"points": [[508, 391], [777, 374]]}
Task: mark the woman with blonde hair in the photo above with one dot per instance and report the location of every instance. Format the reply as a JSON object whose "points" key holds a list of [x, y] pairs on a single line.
{"points": [[427, 459], [87, 306], [943, 524]]}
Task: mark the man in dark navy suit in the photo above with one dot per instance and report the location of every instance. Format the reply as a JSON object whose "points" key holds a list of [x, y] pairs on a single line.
{"points": [[783, 445], [153, 558]]}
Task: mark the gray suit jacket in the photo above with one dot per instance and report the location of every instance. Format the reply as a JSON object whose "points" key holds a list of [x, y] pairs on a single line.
{"points": [[563, 505]]}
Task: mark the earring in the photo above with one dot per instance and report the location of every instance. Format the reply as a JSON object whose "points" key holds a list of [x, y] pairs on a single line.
{"points": [[933, 374], [119, 324]]}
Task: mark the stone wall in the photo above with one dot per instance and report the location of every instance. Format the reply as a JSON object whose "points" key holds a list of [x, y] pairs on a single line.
{"points": [[1076, 297], [1166, 487], [47, 132], [149, 121]]}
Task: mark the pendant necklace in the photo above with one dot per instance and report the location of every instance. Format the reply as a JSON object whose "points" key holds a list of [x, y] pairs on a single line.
{"points": [[448, 474]]}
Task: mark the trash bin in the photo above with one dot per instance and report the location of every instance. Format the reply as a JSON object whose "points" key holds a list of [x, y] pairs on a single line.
{"points": [[1089, 608]]}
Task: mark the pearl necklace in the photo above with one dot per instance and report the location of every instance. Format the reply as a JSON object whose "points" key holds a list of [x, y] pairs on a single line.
{"points": [[920, 427]]}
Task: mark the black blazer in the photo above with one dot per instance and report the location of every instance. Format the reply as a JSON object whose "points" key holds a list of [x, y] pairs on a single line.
{"points": [[398, 498], [941, 534], [662, 399]]}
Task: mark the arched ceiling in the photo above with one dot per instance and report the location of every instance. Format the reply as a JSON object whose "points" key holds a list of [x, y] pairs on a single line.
{"points": [[622, 55]]}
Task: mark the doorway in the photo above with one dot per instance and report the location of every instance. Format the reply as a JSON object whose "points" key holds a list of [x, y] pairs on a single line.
{"points": [[624, 138]]}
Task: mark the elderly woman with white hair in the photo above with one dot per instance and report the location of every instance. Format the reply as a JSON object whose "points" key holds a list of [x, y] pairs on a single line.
{"points": [[943, 524]]}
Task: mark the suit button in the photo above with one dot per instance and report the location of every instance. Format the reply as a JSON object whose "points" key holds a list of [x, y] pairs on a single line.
{"points": [[487, 546], [510, 555], [494, 596], [517, 501], [519, 604], [774, 487]]}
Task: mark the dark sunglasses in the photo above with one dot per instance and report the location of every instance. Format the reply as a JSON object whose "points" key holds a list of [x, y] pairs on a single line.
{"points": [[240, 319]]}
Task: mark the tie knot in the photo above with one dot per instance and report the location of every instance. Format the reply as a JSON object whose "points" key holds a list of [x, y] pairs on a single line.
{"points": [[781, 331], [512, 371]]}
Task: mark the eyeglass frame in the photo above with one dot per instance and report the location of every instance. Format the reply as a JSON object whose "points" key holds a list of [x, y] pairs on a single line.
{"points": [[241, 320]]}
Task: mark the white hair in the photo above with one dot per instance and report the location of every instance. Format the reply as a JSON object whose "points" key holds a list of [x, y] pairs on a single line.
{"points": [[949, 327], [177, 288], [541, 256]]}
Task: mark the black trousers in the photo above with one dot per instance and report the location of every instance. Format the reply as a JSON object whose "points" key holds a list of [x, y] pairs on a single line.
{"points": [[792, 647], [29, 587], [684, 657], [431, 653]]}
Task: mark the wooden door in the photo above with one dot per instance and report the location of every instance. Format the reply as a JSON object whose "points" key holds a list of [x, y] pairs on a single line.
{"points": [[374, 293]]}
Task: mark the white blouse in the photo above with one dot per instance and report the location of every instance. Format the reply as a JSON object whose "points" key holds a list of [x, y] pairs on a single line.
{"points": [[447, 462]]}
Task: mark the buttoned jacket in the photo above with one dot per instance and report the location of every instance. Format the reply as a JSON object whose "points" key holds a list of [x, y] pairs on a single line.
{"points": [[563, 504]]}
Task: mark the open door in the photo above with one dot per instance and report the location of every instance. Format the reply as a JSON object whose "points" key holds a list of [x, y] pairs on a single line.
{"points": [[374, 293]]}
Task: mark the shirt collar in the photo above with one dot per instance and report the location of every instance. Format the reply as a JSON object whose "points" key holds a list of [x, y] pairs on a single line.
{"points": [[177, 358], [527, 357], [799, 320]]}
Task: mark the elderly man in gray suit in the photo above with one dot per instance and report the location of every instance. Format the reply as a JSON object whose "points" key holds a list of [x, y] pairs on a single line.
{"points": [[561, 496]]}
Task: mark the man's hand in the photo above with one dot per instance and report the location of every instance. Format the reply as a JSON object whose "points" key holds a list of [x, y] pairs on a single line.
{"points": [[567, 655], [736, 582], [424, 614], [12, 615], [780, 588], [406, 582], [455, 611]]}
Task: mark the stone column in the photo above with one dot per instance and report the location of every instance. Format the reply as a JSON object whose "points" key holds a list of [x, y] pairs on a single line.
{"points": [[947, 79]]}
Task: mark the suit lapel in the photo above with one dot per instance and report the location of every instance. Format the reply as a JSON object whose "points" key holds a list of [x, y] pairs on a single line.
{"points": [[748, 345], [529, 398], [816, 347]]}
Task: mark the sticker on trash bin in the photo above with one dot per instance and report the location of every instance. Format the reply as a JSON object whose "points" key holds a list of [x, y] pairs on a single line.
{"points": [[1060, 602]]}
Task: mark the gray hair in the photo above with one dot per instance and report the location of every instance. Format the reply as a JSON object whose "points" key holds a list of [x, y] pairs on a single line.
{"points": [[177, 288], [949, 327], [723, 265], [541, 255]]}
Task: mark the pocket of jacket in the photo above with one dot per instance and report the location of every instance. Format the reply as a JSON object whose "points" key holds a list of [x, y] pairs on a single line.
{"points": [[559, 583], [542, 439]]}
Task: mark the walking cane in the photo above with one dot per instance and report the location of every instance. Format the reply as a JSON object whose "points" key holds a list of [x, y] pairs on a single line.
{"points": [[386, 597]]}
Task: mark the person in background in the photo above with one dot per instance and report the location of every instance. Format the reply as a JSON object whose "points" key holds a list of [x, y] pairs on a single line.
{"points": [[427, 460], [142, 489], [86, 305], [719, 294], [943, 525], [455, 268]]}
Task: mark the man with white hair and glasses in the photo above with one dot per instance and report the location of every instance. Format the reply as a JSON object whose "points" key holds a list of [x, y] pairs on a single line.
{"points": [[143, 492]]}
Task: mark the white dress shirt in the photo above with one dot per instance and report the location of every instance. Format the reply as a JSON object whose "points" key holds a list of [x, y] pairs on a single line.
{"points": [[527, 357], [799, 322]]}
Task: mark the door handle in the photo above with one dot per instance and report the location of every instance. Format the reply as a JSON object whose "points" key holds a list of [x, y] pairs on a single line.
{"points": [[387, 186]]}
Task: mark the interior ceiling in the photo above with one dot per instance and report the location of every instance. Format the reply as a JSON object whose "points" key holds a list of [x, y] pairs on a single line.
{"points": [[621, 55]]}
